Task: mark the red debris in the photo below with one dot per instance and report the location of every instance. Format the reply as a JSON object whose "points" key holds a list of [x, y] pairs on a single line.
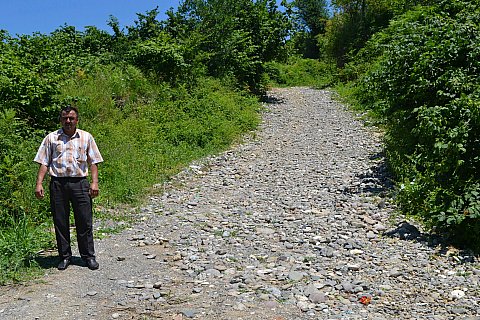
{"points": [[365, 300]]}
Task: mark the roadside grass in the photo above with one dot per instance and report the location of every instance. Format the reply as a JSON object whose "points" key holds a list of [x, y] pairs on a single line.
{"points": [[347, 94], [19, 246]]}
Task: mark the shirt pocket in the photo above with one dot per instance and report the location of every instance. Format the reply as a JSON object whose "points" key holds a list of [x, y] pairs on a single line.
{"points": [[81, 154], [59, 149]]}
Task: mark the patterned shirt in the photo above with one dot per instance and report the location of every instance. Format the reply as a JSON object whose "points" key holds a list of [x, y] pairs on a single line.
{"points": [[68, 156]]}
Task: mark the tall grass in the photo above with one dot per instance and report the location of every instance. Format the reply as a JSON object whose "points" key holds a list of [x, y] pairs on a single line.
{"points": [[19, 243], [23, 219]]}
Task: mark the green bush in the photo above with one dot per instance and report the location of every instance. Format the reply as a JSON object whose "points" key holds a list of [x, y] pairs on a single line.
{"points": [[426, 83], [17, 173], [163, 57], [32, 68], [232, 38], [352, 25]]}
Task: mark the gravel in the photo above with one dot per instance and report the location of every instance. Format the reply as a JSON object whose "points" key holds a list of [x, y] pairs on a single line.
{"points": [[294, 223]]}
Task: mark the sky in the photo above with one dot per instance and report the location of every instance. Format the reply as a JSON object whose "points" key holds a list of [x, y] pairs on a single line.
{"points": [[25, 17]]}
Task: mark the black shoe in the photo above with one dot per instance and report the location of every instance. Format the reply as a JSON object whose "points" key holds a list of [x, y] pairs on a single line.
{"points": [[92, 264], [64, 264]]}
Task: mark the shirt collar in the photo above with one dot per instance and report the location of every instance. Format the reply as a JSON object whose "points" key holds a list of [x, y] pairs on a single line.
{"points": [[75, 135]]}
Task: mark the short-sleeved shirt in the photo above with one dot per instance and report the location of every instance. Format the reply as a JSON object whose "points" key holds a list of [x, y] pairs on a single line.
{"points": [[68, 156]]}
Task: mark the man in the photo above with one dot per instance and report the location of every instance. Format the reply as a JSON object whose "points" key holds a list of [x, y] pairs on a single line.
{"points": [[66, 155]]}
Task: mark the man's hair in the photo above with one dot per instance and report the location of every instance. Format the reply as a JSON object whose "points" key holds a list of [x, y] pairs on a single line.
{"points": [[67, 109]]}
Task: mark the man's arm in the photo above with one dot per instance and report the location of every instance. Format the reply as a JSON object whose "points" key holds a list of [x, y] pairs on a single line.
{"points": [[39, 192], [94, 184]]}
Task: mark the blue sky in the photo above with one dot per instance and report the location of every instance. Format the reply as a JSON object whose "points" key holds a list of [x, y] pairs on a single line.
{"points": [[44, 16]]}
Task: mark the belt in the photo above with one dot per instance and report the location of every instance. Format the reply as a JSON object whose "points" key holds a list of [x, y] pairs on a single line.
{"points": [[68, 179]]}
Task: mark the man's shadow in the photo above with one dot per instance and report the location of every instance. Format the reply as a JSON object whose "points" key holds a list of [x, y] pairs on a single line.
{"points": [[49, 262]]}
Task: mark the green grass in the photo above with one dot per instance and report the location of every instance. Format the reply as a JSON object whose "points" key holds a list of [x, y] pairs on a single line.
{"points": [[158, 129], [302, 72], [19, 245]]}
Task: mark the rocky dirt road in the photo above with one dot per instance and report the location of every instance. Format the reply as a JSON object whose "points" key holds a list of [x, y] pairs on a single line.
{"points": [[295, 223]]}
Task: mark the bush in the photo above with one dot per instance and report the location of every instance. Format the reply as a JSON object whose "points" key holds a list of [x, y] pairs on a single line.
{"points": [[426, 82], [17, 172], [162, 57]]}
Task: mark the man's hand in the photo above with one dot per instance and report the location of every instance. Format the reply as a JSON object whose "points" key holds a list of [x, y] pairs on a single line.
{"points": [[93, 189], [39, 192], [94, 185]]}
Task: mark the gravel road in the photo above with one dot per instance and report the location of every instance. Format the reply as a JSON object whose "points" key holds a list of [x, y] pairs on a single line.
{"points": [[294, 223]]}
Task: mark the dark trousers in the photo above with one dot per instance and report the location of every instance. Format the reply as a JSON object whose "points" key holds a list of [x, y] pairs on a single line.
{"points": [[74, 191]]}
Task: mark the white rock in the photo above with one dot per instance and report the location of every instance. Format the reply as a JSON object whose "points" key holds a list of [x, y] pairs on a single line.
{"points": [[353, 267], [356, 251], [264, 271], [457, 294]]}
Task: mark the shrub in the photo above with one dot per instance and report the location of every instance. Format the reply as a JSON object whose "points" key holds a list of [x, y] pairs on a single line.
{"points": [[163, 57], [19, 245], [427, 84]]}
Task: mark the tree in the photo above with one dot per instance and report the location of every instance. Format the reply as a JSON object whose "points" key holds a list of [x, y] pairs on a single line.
{"points": [[310, 17], [313, 15], [355, 21], [146, 27], [232, 38], [162, 57]]}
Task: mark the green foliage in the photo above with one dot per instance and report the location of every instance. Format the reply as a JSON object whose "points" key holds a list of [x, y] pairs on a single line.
{"points": [[302, 72], [146, 132], [21, 216], [96, 42], [354, 22], [426, 84], [31, 68], [146, 27], [233, 38], [19, 245], [17, 177], [210, 117], [311, 17], [24, 86], [313, 14], [162, 56], [304, 44]]}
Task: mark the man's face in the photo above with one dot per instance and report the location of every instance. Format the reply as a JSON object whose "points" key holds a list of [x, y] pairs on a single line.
{"points": [[69, 122]]}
